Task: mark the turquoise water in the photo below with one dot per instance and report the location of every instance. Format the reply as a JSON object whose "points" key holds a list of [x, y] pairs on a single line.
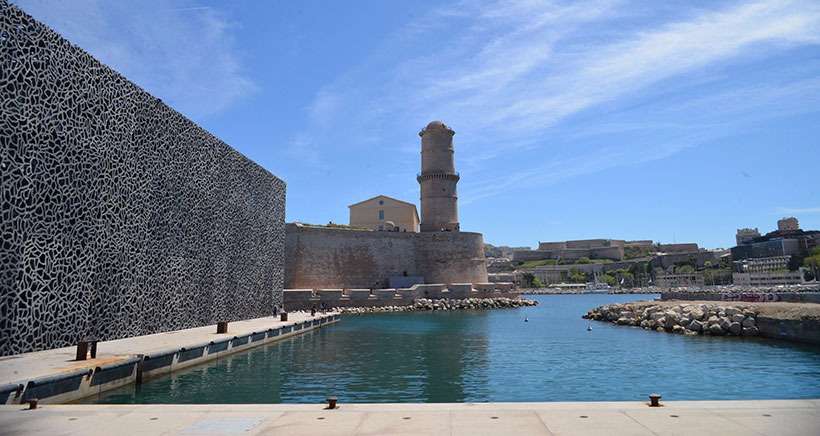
{"points": [[492, 356]]}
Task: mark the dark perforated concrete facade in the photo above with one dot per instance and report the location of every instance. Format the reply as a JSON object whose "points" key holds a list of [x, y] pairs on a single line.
{"points": [[120, 217]]}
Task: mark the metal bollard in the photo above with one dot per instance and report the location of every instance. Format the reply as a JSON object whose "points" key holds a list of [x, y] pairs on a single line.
{"points": [[82, 350], [331, 402], [222, 327], [283, 316], [654, 400], [32, 404]]}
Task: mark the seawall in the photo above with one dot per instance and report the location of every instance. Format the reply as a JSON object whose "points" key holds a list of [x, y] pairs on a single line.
{"points": [[53, 376], [329, 258], [796, 322], [305, 299]]}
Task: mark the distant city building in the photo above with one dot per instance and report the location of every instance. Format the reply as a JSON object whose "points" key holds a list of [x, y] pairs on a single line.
{"points": [[746, 235], [774, 278], [384, 213], [767, 248], [676, 280], [788, 224], [762, 264]]}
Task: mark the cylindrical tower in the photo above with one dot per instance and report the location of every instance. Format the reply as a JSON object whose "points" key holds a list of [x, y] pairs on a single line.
{"points": [[438, 179]]}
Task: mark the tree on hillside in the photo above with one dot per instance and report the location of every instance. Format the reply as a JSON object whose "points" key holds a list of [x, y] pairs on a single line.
{"points": [[812, 262], [577, 276]]}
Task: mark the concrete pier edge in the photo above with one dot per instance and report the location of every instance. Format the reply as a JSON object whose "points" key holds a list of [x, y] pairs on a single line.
{"points": [[94, 377], [762, 417]]}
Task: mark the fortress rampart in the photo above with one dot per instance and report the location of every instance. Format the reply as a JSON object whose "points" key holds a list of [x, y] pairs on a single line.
{"points": [[329, 258]]}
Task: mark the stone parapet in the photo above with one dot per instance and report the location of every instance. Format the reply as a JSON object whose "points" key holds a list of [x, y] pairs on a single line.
{"points": [[305, 299]]}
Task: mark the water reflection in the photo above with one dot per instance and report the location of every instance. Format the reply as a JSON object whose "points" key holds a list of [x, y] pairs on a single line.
{"points": [[492, 356]]}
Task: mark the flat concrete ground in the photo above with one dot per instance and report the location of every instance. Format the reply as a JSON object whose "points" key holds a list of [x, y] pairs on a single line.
{"points": [[771, 417]]}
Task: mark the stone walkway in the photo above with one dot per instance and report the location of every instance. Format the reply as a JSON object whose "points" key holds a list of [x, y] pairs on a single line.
{"points": [[28, 366], [701, 418]]}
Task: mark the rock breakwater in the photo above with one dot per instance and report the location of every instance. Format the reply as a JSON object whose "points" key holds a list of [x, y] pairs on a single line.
{"points": [[426, 304], [687, 319]]}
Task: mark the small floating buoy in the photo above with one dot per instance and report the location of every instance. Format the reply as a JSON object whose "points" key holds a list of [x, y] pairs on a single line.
{"points": [[589, 328], [526, 319]]}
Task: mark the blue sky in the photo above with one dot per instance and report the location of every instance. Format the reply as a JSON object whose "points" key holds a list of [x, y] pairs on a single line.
{"points": [[671, 121]]}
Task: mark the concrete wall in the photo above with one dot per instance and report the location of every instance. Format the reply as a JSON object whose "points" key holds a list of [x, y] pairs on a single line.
{"points": [[613, 253], [120, 217], [678, 248], [318, 257], [305, 299]]}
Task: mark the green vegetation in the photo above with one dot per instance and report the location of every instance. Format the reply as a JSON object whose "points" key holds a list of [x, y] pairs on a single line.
{"points": [[684, 269], [577, 276], [812, 262], [536, 283], [636, 252], [535, 263]]}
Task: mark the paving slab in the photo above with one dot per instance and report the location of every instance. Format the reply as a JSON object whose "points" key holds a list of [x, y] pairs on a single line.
{"points": [[703, 418]]}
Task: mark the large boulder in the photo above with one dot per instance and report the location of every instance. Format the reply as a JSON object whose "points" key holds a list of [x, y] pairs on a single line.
{"points": [[737, 317], [735, 328], [749, 322], [715, 329], [695, 326]]}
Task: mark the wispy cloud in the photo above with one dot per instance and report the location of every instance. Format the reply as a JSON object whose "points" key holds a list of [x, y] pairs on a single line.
{"points": [[177, 50], [797, 210], [511, 76]]}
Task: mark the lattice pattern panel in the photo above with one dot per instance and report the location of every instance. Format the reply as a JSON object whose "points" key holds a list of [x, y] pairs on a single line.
{"points": [[120, 217]]}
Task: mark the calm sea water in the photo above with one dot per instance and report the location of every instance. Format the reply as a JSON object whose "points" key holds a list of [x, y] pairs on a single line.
{"points": [[492, 356]]}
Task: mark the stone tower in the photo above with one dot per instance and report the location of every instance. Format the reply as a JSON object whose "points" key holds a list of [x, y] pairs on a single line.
{"points": [[438, 179]]}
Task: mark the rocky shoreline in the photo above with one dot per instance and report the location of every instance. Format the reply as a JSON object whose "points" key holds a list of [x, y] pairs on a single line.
{"points": [[688, 319], [426, 304]]}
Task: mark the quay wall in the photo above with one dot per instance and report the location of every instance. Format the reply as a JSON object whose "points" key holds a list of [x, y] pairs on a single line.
{"points": [[66, 386], [328, 258], [305, 299], [120, 217]]}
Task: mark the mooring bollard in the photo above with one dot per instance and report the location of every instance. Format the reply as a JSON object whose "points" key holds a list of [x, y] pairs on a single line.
{"points": [[283, 316], [654, 400], [82, 350], [331, 402], [222, 327], [93, 343], [32, 404]]}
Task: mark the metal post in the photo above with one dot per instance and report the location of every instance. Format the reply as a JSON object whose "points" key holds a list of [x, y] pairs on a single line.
{"points": [[82, 350], [222, 327], [654, 400]]}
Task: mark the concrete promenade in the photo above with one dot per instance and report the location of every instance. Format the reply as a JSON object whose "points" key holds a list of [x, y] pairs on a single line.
{"points": [[701, 418], [179, 349]]}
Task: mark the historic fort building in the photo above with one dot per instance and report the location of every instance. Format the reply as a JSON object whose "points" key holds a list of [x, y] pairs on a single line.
{"points": [[319, 257], [438, 179]]}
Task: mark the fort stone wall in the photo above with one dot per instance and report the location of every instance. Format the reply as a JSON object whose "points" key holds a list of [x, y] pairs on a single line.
{"points": [[327, 258], [120, 217]]}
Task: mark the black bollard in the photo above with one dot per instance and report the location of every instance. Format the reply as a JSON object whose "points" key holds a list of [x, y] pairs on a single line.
{"points": [[222, 327], [654, 400], [331, 402]]}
